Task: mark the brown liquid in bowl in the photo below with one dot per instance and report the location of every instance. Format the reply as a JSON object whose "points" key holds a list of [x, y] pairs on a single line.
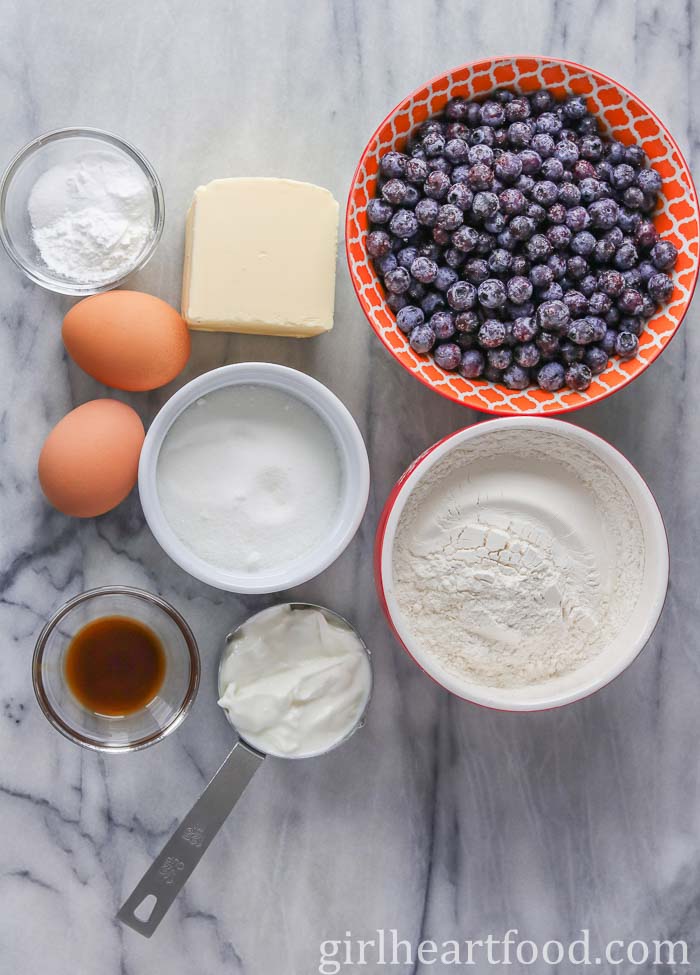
{"points": [[115, 665]]}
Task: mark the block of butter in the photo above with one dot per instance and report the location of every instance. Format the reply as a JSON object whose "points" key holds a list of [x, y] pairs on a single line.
{"points": [[260, 257]]}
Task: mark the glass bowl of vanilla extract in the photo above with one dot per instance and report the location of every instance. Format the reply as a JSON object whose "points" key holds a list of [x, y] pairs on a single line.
{"points": [[116, 669]]}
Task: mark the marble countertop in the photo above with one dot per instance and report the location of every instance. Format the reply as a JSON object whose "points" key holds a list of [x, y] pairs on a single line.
{"points": [[440, 819]]}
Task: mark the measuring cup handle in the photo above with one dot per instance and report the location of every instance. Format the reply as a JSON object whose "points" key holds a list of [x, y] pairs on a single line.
{"points": [[164, 879]]}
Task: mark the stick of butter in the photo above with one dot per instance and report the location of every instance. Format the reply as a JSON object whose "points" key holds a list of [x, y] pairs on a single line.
{"points": [[260, 257]]}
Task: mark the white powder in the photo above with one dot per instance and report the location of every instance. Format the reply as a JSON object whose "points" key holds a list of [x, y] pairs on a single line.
{"points": [[91, 217], [517, 559], [249, 478]]}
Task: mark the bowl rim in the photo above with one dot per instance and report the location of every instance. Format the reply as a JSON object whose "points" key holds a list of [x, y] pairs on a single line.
{"points": [[626, 472], [505, 411], [281, 377], [96, 744], [56, 285]]}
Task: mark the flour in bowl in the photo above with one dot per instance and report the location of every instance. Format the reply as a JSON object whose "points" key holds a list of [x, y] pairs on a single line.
{"points": [[517, 558]]}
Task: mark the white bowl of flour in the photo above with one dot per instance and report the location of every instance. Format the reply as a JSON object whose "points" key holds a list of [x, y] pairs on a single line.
{"points": [[522, 563], [254, 477]]}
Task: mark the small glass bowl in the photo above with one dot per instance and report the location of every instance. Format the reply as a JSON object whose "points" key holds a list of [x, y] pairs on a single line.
{"points": [[162, 715], [33, 161]]}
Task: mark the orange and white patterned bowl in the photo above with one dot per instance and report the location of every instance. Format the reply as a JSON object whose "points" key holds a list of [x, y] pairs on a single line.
{"points": [[625, 117]]}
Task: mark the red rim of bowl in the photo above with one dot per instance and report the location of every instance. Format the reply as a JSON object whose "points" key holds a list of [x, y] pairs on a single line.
{"points": [[474, 65], [379, 543]]}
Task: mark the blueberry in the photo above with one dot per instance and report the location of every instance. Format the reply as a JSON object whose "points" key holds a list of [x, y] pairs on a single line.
{"points": [[590, 190], [527, 355], [449, 217], [596, 358], [389, 262], [457, 130], [566, 152], [551, 377], [516, 377], [569, 194], [394, 191], [406, 256], [393, 164], [635, 156], [615, 152], [379, 211], [378, 243], [416, 291], [649, 181], [623, 176], [522, 227], [583, 331], [499, 358], [480, 177], [460, 195], [409, 318], [611, 283], [578, 376], [492, 113], [472, 364], [553, 316], [520, 134], [448, 355], [422, 338], [549, 123], [444, 278], [587, 284], [633, 198], [608, 341], [461, 296], [541, 100], [599, 303], [626, 256], [660, 287], [443, 324], [397, 280], [495, 224], [426, 212], [576, 302], [481, 153], [456, 150], [467, 322], [603, 214], [524, 329], [460, 174], [492, 333], [630, 301], [492, 293], [538, 248], [559, 236], [536, 213], [476, 270], [508, 167], [436, 185], [577, 219], [604, 251], [465, 239], [457, 109], [424, 270], [664, 255], [517, 109], [626, 345], [646, 270], [512, 202], [433, 143], [432, 301], [545, 192], [396, 302], [404, 224], [628, 220], [519, 289], [485, 205], [591, 148], [416, 170], [583, 243], [557, 265], [646, 235]]}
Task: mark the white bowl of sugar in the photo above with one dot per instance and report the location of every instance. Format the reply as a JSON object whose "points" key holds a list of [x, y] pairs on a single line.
{"points": [[522, 563], [254, 477]]}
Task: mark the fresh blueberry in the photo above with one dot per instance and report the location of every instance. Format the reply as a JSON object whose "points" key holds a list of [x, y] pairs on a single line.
{"points": [[396, 302], [448, 355], [660, 287], [520, 134], [630, 302], [456, 150], [409, 317], [499, 358], [422, 338], [519, 289], [583, 243], [432, 301], [465, 239], [472, 364], [416, 170], [578, 376], [436, 185], [649, 181], [397, 280], [476, 270], [596, 358], [508, 167], [492, 333], [664, 255], [460, 195], [443, 324], [551, 377], [403, 224], [553, 316], [449, 217], [461, 296], [393, 164], [378, 243], [611, 283], [627, 256], [426, 212], [424, 270], [626, 345], [445, 278]]}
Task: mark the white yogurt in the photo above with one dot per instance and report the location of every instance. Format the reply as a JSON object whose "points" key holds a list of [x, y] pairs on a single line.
{"points": [[294, 682], [249, 478]]}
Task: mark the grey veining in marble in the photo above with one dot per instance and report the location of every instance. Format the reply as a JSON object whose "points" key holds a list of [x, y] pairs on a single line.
{"points": [[440, 819]]}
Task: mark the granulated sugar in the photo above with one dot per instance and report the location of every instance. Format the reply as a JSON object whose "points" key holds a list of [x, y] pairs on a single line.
{"points": [[519, 559]]}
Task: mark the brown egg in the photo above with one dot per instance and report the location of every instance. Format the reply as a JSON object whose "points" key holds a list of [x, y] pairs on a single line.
{"points": [[127, 339], [89, 461]]}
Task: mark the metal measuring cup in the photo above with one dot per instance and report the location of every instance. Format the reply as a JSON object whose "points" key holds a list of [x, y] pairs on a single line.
{"points": [[167, 875]]}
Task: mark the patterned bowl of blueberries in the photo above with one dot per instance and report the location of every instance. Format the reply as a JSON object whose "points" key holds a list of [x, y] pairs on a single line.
{"points": [[522, 234]]}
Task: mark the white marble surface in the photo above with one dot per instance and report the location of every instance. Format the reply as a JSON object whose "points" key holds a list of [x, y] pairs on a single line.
{"points": [[440, 819]]}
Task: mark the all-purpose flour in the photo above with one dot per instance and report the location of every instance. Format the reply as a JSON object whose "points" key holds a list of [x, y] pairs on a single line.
{"points": [[91, 217], [518, 560]]}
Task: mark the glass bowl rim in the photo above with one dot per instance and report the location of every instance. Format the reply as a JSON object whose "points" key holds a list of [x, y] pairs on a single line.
{"points": [[93, 743], [68, 133]]}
